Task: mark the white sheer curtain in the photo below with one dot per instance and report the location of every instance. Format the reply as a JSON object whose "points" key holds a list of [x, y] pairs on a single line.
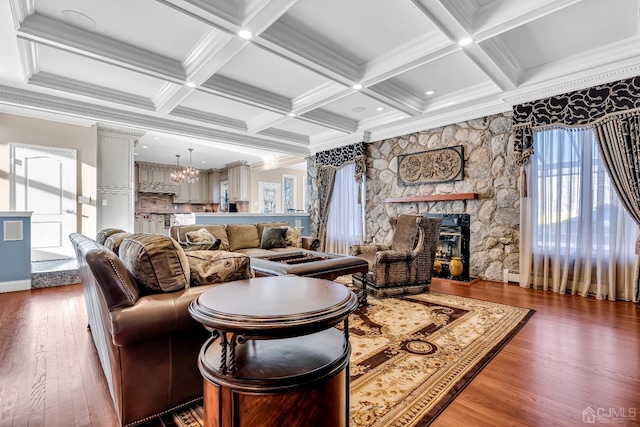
{"points": [[345, 222], [576, 235]]}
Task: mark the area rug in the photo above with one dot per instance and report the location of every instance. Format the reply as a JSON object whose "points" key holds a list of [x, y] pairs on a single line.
{"points": [[411, 356]]}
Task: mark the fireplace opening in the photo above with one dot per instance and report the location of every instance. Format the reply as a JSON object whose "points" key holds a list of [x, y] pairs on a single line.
{"points": [[453, 244]]}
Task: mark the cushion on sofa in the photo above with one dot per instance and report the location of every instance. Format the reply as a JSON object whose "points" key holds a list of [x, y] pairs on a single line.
{"points": [[102, 235], [293, 236], [114, 241], [262, 225], [242, 236], [273, 237], [156, 261], [201, 240], [210, 267]]}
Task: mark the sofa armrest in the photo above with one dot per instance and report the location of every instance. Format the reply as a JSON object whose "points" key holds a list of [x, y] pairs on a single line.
{"points": [[310, 243], [154, 315]]}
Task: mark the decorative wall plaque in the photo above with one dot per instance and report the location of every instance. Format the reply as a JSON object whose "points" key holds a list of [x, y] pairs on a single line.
{"points": [[432, 166]]}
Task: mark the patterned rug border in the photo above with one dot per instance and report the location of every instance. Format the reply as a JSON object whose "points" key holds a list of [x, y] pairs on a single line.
{"points": [[195, 411], [446, 400]]}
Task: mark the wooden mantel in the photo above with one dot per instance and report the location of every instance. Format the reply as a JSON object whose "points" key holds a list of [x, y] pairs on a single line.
{"points": [[433, 198]]}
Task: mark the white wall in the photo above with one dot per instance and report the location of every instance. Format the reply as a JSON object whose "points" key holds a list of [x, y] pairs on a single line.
{"points": [[83, 139]]}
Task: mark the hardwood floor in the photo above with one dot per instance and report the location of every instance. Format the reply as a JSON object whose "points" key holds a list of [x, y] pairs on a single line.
{"points": [[574, 353]]}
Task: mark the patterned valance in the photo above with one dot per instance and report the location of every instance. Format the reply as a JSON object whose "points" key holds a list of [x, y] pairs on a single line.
{"points": [[337, 157], [575, 109]]}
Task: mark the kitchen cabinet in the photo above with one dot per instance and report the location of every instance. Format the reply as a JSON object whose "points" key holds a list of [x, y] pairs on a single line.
{"points": [[155, 178], [193, 193], [239, 177]]}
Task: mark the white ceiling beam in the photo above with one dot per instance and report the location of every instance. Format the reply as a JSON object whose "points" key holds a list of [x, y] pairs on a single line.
{"points": [[444, 20], [43, 30]]}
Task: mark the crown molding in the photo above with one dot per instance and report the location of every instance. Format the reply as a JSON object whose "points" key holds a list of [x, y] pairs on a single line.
{"points": [[45, 115], [332, 120], [281, 162], [20, 9], [322, 144], [51, 32], [226, 10], [53, 81], [283, 134], [542, 90], [459, 97], [210, 118], [464, 11], [438, 120], [109, 130], [28, 52], [37, 101], [247, 94]]}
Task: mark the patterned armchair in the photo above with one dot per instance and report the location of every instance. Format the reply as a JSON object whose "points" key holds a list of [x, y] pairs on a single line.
{"points": [[405, 266]]}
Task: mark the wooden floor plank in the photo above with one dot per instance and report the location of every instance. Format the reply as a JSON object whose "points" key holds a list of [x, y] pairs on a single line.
{"points": [[574, 353]]}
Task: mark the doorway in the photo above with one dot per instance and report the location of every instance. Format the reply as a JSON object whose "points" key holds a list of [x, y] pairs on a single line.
{"points": [[43, 181]]}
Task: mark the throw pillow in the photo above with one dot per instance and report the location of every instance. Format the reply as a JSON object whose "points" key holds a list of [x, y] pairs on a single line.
{"points": [[208, 268], [200, 236], [156, 261], [201, 240], [242, 236], [273, 237], [293, 237]]}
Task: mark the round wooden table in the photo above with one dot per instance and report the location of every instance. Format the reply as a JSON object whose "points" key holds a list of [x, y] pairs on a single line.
{"points": [[275, 357]]}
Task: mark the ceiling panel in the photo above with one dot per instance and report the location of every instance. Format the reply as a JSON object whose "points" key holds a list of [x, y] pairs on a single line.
{"points": [[359, 30], [301, 127], [356, 106], [258, 68], [446, 75], [213, 104], [87, 70], [585, 26], [146, 24]]}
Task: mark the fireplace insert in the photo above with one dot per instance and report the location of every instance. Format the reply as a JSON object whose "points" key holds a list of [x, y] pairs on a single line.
{"points": [[454, 243]]}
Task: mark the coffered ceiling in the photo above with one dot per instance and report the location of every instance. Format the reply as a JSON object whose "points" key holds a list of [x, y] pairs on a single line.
{"points": [[289, 90]]}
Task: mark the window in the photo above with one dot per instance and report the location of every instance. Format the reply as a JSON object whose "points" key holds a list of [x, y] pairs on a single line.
{"points": [[577, 237], [345, 221], [289, 193], [575, 201]]}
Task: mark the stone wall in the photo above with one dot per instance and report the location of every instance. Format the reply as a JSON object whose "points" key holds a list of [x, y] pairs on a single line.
{"points": [[489, 170]]}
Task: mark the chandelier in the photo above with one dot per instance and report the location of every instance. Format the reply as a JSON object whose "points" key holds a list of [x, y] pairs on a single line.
{"points": [[189, 174], [176, 175]]}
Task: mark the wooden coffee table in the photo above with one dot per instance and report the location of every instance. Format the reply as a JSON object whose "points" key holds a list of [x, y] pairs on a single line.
{"points": [[274, 357]]}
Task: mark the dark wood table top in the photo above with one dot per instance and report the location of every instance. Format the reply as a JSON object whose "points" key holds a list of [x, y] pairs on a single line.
{"points": [[274, 307]]}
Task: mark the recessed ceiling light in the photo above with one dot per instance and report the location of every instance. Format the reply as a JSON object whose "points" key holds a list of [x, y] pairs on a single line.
{"points": [[430, 92], [156, 138], [379, 108], [245, 34], [202, 161], [190, 84], [145, 146], [135, 154], [465, 41], [358, 109], [292, 114], [357, 86], [78, 19]]}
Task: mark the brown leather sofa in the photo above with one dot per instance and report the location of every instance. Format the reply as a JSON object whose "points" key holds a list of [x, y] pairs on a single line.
{"points": [[147, 342]]}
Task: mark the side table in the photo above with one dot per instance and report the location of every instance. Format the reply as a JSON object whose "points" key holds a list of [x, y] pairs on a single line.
{"points": [[274, 357]]}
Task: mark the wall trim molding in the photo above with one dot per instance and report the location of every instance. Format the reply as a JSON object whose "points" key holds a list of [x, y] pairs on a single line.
{"points": [[15, 285]]}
